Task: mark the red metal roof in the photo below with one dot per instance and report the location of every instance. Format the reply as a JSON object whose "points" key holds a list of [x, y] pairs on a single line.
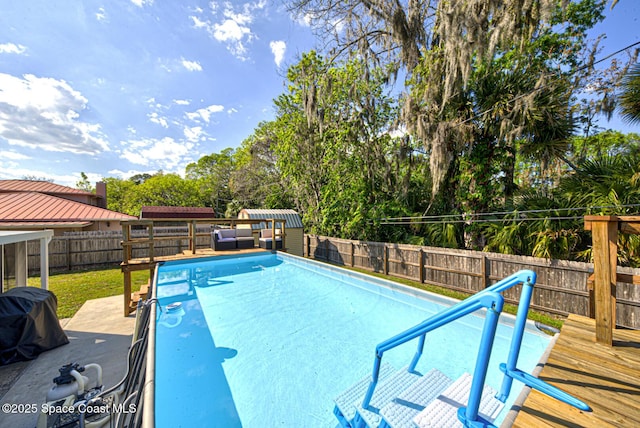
{"points": [[38, 186], [38, 207], [176, 212]]}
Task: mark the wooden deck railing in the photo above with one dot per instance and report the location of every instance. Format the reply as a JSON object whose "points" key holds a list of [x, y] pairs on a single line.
{"points": [[604, 232], [150, 259]]}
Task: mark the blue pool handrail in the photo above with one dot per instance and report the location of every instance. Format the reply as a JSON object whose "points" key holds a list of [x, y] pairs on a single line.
{"points": [[490, 299]]}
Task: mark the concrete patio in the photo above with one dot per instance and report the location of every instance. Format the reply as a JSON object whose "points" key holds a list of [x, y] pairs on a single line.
{"points": [[98, 333]]}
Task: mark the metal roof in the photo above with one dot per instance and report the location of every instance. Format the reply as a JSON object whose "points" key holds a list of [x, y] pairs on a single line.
{"points": [[291, 217], [151, 212], [30, 207], [10, 186], [25, 225]]}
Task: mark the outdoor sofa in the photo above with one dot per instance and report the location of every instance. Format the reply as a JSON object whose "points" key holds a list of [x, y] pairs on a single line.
{"points": [[232, 239], [266, 239]]}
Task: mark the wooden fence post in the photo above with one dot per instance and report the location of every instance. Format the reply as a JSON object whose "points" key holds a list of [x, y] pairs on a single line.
{"points": [[68, 254], [326, 248], [421, 265], [352, 254], [385, 260], [485, 279]]}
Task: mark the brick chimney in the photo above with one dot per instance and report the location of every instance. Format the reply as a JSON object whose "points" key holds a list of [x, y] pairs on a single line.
{"points": [[101, 193]]}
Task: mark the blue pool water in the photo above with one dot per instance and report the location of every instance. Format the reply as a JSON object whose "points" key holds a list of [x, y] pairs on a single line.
{"points": [[270, 340]]}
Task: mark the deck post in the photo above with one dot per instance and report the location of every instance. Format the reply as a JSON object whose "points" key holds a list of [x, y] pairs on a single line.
{"points": [[604, 231], [127, 292]]}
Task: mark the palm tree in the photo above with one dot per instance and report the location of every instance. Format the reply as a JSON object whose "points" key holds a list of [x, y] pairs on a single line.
{"points": [[630, 97]]}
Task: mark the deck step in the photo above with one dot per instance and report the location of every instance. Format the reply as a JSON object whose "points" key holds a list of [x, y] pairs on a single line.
{"points": [[386, 390], [346, 403], [442, 412], [401, 411]]}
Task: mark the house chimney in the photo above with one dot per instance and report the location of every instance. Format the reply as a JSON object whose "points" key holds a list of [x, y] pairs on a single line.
{"points": [[101, 193]]}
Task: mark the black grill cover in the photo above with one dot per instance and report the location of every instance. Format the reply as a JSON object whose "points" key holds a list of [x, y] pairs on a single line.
{"points": [[28, 324]]}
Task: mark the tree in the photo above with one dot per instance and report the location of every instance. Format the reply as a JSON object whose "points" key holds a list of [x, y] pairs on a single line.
{"points": [[84, 183], [335, 149], [630, 97], [212, 174], [129, 196], [121, 193], [166, 190], [256, 181]]}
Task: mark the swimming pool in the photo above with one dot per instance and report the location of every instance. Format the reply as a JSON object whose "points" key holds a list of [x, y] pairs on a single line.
{"points": [[271, 339]]}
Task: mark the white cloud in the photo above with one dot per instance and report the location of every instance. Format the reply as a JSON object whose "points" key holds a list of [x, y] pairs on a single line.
{"points": [[233, 28], [232, 111], [191, 65], [156, 118], [230, 30], [11, 155], [278, 48], [165, 153], [204, 113], [193, 134], [12, 48], [197, 23], [43, 113], [101, 15], [141, 3], [182, 102]]}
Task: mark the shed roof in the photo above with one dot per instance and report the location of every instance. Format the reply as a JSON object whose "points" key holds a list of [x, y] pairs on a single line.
{"points": [[33, 207], [176, 212], [292, 218]]}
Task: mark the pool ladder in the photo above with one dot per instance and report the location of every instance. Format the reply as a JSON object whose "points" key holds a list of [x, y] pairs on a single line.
{"points": [[490, 299]]}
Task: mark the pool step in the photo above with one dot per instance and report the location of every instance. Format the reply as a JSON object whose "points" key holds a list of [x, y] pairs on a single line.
{"points": [[386, 391], [443, 411], [404, 399], [409, 403], [346, 403]]}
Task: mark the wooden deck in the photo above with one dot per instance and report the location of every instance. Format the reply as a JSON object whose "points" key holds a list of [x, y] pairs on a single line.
{"points": [[131, 265], [144, 262], [606, 378]]}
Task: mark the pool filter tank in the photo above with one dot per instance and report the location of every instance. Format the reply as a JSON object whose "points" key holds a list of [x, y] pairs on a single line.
{"points": [[62, 407]]}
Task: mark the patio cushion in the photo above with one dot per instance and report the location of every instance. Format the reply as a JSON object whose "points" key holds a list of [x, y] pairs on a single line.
{"points": [[266, 233], [226, 234], [244, 233]]}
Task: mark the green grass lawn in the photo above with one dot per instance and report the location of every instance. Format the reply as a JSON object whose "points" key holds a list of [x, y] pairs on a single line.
{"points": [[73, 289]]}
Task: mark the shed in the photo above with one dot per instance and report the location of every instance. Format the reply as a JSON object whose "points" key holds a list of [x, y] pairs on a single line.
{"points": [[293, 226]]}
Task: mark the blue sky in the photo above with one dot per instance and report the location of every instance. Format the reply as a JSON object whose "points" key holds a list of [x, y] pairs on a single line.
{"points": [[116, 88]]}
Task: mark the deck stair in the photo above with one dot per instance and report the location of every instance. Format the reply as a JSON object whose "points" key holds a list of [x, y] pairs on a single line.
{"points": [[136, 296], [405, 399]]}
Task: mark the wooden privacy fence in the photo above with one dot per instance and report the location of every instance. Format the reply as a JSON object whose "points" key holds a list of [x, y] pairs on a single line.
{"points": [[91, 250], [561, 286]]}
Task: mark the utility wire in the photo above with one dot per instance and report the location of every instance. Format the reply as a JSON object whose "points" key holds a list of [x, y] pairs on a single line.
{"points": [[509, 212], [583, 67], [490, 220]]}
